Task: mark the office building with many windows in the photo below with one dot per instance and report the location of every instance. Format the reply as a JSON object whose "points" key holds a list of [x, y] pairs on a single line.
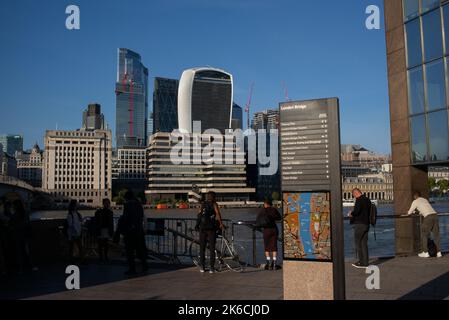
{"points": [[29, 166], [165, 105], [93, 119], [184, 181], [11, 143], [417, 38], [78, 165], [131, 91], [206, 95]]}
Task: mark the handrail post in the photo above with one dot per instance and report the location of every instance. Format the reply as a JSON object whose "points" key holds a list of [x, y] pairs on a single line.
{"points": [[254, 247]]}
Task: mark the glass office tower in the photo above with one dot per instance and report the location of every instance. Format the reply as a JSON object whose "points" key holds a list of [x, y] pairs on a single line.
{"points": [[237, 117], [165, 105], [425, 24], [11, 143], [205, 94], [131, 100]]}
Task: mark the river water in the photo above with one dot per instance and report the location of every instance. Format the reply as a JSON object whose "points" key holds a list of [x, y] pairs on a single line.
{"points": [[383, 246]]}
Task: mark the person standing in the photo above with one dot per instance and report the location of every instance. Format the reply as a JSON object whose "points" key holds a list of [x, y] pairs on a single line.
{"points": [[430, 223], [131, 227], [360, 218], [74, 230], [267, 219], [21, 229], [208, 217], [104, 227]]}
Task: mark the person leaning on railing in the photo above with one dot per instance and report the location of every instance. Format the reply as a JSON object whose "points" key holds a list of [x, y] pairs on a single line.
{"points": [[429, 225]]}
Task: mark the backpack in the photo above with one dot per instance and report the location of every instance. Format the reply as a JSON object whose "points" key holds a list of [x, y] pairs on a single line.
{"points": [[263, 220], [206, 218], [65, 226], [432, 248]]}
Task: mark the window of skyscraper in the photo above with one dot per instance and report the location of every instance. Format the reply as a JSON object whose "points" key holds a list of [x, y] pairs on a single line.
{"points": [[411, 9], [418, 135], [427, 5], [416, 90], [435, 85], [438, 136], [433, 39], [414, 49]]}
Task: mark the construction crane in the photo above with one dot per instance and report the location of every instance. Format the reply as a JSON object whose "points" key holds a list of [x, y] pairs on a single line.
{"points": [[284, 85], [248, 105], [131, 100]]}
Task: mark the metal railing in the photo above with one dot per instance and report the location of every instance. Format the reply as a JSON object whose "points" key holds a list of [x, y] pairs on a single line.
{"points": [[174, 240]]}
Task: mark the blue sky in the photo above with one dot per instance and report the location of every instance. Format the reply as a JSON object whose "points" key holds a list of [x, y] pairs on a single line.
{"points": [[318, 48]]}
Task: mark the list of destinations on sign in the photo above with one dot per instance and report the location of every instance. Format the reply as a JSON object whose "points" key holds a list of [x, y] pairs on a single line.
{"points": [[305, 145]]}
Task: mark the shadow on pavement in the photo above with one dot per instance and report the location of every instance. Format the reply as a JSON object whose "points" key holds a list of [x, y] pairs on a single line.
{"points": [[437, 289], [51, 279]]}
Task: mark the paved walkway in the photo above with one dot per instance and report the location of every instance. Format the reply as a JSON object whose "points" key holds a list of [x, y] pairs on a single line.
{"points": [[408, 278], [400, 278]]}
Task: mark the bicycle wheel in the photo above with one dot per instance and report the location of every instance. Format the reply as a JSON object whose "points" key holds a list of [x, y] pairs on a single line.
{"points": [[234, 257]]}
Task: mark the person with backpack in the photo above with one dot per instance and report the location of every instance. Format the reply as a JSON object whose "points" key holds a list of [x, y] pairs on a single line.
{"points": [[266, 220], [74, 230], [360, 218], [207, 227], [429, 224], [104, 228]]}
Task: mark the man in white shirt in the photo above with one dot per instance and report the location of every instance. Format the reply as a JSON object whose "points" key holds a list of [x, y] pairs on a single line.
{"points": [[429, 224]]}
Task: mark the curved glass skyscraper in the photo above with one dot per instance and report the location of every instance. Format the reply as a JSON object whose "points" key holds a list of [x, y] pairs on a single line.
{"points": [[131, 100], [205, 94]]}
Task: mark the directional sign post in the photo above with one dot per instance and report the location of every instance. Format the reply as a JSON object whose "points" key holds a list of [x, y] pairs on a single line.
{"points": [[312, 201]]}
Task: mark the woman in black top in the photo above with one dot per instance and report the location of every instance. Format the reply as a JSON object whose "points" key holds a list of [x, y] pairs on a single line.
{"points": [[209, 216], [104, 222], [268, 217]]}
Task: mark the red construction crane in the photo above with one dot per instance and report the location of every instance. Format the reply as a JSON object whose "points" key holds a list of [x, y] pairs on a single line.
{"points": [[285, 91], [131, 102], [248, 105]]}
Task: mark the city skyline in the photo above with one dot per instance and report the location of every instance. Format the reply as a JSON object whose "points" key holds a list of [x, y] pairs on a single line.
{"points": [[290, 53]]}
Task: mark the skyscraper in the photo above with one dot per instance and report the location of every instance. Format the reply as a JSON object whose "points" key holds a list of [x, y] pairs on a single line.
{"points": [[131, 100], [11, 143], [417, 38], [165, 105], [205, 94], [93, 119], [237, 117]]}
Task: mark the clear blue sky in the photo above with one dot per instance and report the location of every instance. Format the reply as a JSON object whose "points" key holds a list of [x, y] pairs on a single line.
{"points": [[319, 48]]}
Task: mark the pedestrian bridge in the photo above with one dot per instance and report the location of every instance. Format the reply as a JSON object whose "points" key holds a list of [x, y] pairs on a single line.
{"points": [[13, 187]]}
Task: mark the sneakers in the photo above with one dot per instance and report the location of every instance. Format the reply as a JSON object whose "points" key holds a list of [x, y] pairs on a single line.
{"points": [[212, 271], [424, 255], [439, 255], [202, 270], [358, 265]]}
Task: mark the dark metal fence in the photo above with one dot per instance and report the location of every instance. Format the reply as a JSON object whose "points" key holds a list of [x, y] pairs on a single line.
{"points": [[172, 242]]}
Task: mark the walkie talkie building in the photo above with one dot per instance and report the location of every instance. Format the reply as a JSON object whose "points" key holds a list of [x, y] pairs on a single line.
{"points": [[205, 94]]}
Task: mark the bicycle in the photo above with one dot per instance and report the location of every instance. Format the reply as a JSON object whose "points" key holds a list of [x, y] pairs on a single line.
{"points": [[229, 255]]}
